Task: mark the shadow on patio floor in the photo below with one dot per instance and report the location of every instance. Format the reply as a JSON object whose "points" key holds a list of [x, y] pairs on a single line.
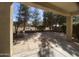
{"points": [[60, 40]]}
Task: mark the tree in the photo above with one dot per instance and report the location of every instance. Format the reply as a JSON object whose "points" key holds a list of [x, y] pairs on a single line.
{"points": [[61, 19], [49, 20], [45, 19], [36, 18], [18, 22], [35, 23], [21, 17], [24, 15]]}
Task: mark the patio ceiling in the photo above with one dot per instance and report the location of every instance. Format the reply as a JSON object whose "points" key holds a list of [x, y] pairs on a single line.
{"points": [[63, 8], [70, 7]]}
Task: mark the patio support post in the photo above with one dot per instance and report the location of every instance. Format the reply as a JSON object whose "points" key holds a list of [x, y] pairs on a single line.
{"points": [[69, 27], [6, 35]]}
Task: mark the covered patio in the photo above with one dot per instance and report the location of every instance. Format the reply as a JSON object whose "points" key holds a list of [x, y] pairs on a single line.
{"points": [[68, 9]]}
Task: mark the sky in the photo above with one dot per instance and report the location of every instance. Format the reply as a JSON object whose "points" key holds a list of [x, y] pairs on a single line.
{"points": [[31, 9], [15, 10]]}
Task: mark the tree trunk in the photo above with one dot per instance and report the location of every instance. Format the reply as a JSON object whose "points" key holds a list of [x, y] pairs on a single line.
{"points": [[24, 26], [16, 30]]}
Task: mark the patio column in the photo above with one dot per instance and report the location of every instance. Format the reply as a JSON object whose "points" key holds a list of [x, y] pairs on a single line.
{"points": [[69, 28], [5, 30]]}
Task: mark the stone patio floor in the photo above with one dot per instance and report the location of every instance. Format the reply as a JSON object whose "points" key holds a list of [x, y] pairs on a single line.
{"points": [[29, 45]]}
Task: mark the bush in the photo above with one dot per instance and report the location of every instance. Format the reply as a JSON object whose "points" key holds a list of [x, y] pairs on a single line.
{"points": [[40, 28], [63, 28], [76, 31]]}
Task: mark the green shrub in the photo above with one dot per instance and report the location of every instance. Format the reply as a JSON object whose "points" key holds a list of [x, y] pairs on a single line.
{"points": [[76, 30], [40, 28], [63, 28]]}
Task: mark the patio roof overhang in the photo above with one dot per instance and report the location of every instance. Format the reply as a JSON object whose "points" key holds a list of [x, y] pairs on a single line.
{"points": [[63, 8]]}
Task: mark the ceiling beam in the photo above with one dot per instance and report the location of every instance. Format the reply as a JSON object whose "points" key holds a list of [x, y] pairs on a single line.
{"points": [[47, 7], [53, 7], [76, 12]]}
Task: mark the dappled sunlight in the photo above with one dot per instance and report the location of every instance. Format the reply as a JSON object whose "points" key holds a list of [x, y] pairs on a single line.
{"points": [[57, 45], [64, 45], [29, 43], [59, 41]]}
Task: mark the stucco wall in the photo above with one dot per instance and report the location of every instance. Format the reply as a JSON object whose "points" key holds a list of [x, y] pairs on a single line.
{"points": [[5, 29]]}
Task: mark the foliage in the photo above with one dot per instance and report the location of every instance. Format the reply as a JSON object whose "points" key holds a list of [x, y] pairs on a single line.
{"points": [[48, 19], [75, 18], [24, 15], [76, 30], [36, 18], [61, 19], [63, 28], [35, 23], [51, 19], [41, 28], [45, 19]]}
